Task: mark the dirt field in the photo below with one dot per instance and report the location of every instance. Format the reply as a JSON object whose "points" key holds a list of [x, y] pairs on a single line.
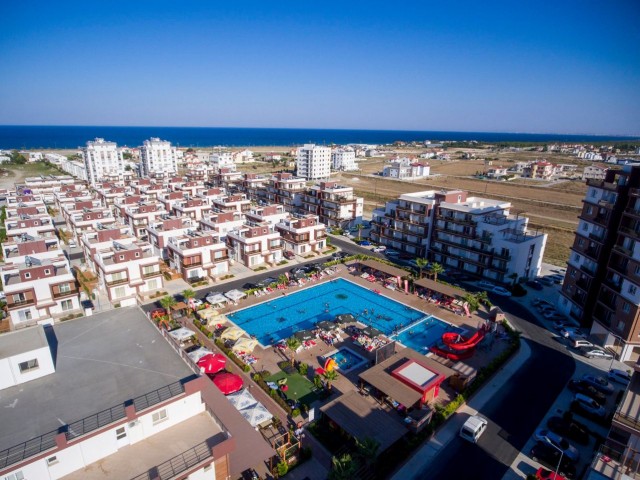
{"points": [[17, 173]]}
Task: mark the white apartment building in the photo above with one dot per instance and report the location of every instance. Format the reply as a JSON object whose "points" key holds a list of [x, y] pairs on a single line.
{"points": [[168, 227], [313, 162], [335, 204], [221, 159], [302, 234], [406, 168], [594, 172], [39, 290], [255, 244], [198, 255], [102, 161], [222, 223], [158, 157], [344, 159]]}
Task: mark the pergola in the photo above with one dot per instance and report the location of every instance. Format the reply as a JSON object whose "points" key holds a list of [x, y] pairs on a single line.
{"points": [[384, 268], [446, 290]]}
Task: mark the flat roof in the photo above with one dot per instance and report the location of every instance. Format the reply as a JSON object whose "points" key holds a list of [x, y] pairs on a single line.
{"points": [[101, 362], [384, 268], [447, 290], [416, 374], [22, 341]]}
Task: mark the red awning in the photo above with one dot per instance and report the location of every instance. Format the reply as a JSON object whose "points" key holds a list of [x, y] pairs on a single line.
{"points": [[212, 362], [228, 383]]}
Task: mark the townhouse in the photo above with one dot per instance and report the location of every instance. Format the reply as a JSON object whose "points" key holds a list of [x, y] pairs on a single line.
{"points": [[141, 215], [232, 203], [166, 228], [302, 234], [335, 205], [285, 189], [198, 256], [222, 223], [255, 244], [194, 208]]}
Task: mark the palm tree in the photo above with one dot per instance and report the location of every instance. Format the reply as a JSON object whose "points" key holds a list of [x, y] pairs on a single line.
{"points": [[359, 227], [435, 269], [188, 294], [421, 263], [293, 344], [282, 279], [167, 302], [342, 468], [368, 448], [483, 298], [330, 376]]}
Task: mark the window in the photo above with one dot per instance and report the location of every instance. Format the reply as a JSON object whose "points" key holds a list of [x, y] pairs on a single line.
{"points": [[47, 272], [27, 275], [65, 287], [119, 292], [52, 460], [121, 433], [626, 308], [15, 476], [24, 315], [633, 289], [66, 304], [28, 365], [589, 210], [585, 226], [159, 416]]}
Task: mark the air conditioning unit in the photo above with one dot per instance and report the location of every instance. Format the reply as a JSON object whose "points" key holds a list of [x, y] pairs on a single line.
{"points": [[134, 424]]}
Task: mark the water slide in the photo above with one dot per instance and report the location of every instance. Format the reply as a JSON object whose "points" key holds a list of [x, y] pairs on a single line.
{"points": [[450, 354], [455, 341]]}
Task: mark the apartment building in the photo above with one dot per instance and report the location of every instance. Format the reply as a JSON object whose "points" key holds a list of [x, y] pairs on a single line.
{"points": [[222, 223], [313, 162], [103, 161], [158, 157], [406, 168], [302, 234], [127, 269], [151, 416], [194, 208], [232, 203], [343, 159], [271, 214], [540, 170], [405, 224], [34, 225], [254, 185], [284, 188], [221, 159], [594, 172], [75, 168], [255, 244], [335, 205], [168, 227], [198, 256], [142, 215], [601, 284], [39, 290]]}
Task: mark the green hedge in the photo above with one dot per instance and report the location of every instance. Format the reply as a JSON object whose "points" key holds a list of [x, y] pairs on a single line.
{"points": [[272, 393]]}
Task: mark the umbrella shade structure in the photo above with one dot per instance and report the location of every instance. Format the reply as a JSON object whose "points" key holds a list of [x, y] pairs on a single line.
{"points": [[371, 332], [235, 295], [182, 334], [304, 335], [198, 353], [228, 383], [345, 318], [245, 345], [326, 325], [212, 362], [232, 333], [242, 399], [217, 320], [257, 415], [206, 313], [216, 299]]}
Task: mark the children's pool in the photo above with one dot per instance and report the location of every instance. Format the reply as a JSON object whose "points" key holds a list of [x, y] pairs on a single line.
{"points": [[282, 316], [346, 359], [422, 335]]}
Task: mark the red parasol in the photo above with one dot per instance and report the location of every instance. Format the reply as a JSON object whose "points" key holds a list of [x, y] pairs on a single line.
{"points": [[212, 362], [228, 383]]}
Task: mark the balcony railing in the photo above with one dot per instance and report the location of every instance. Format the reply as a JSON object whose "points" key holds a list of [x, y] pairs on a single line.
{"points": [[155, 273], [21, 303], [120, 281], [65, 294], [179, 464]]}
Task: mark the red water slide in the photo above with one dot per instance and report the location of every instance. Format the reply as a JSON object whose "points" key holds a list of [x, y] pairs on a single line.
{"points": [[455, 341], [452, 355]]}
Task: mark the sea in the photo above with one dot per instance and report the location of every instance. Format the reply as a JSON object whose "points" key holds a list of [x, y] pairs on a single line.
{"points": [[71, 137]]}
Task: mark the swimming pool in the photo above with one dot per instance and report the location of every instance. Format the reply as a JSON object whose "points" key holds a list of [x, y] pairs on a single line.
{"points": [[424, 334], [282, 316], [346, 359]]}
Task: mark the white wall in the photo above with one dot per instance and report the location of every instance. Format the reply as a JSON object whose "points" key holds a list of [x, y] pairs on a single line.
{"points": [[10, 374]]}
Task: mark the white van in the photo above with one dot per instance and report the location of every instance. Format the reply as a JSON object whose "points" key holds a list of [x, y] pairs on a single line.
{"points": [[578, 342], [473, 428]]}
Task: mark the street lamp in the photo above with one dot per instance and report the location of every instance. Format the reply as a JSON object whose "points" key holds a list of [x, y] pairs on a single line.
{"points": [[561, 455]]}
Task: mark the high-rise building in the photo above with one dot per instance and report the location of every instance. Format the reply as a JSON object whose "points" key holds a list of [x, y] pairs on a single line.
{"points": [[158, 157], [102, 161], [602, 284], [344, 159], [313, 162]]}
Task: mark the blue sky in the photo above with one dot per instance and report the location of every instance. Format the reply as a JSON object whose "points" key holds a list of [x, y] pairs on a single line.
{"points": [[545, 66]]}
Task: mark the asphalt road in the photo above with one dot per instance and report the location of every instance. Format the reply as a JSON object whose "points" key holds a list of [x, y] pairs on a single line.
{"points": [[515, 412]]}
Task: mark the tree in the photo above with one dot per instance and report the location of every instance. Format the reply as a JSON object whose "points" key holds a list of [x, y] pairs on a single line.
{"points": [[188, 294], [514, 277], [359, 227], [368, 449], [472, 302], [421, 263], [167, 302], [17, 158], [128, 168], [282, 279], [293, 344], [342, 468], [436, 269], [483, 298], [330, 376]]}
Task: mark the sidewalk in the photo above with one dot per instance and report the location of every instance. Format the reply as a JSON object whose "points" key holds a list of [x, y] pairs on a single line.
{"points": [[430, 450]]}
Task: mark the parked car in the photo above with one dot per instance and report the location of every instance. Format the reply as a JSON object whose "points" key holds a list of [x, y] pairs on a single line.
{"points": [[473, 428], [380, 249], [545, 281], [365, 243], [619, 376], [595, 352], [501, 291], [572, 331], [599, 383], [556, 278], [544, 435], [536, 285], [541, 301], [544, 474], [488, 286], [72, 244], [548, 456], [298, 272], [588, 407], [289, 255], [578, 386], [559, 324], [553, 315], [266, 282], [391, 253], [569, 428], [197, 303]]}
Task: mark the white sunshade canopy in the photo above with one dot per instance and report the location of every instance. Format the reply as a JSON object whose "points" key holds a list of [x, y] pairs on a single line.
{"points": [[217, 299], [245, 345], [182, 334], [235, 295], [198, 354], [256, 415], [242, 399], [232, 333]]}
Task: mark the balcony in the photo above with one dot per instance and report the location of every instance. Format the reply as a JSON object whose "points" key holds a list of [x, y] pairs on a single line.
{"points": [[590, 270], [623, 250], [120, 281], [155, 273], [583, 283], [461, 221], [634, 212], [622, 269], [629, 232], [192, 264], [597, 238], [21, 303], [65, 294]]}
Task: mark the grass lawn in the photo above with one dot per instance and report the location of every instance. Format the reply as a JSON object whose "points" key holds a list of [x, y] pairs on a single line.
{"points": [[300, 389]]}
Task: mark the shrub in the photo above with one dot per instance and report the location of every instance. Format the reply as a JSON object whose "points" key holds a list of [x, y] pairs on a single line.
{"points": [[246, 369], [259, 268], [303, 368], [295, 412], [283, 365], [282, 468], [518, 290]]}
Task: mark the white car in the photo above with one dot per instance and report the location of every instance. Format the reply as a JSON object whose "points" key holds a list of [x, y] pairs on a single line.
{"points": [[197, 303], [473, 428], [72, 244], [501, 291], [379, 249], [572, 332], [488, 286]]}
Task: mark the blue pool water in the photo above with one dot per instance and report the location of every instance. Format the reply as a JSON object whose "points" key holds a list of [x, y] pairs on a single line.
{"points": [[346, 359], [282, 316], [424, 334]]}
